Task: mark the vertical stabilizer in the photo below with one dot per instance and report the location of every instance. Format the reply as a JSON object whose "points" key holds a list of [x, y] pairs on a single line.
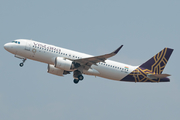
{"points": [[151, 70], [158, 62]]}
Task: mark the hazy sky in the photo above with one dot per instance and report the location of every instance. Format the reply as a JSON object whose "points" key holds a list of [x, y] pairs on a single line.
{"points": [[95, 27]]}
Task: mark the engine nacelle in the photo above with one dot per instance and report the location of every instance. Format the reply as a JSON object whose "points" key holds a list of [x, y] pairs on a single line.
{"points": [[64, 64], [55, 71]]}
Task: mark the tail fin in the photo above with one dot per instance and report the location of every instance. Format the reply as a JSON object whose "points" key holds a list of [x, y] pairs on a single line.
{"points": [[158, 62], [151, 70]]}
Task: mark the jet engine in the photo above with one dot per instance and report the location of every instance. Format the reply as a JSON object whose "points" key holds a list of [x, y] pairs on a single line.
{"points": [[65, 64], [55, 71]]}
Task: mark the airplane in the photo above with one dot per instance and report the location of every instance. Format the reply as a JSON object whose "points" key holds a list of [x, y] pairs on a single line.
{"points": [[63, 61]]}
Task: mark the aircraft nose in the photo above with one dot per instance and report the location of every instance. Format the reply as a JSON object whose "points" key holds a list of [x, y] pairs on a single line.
{"points": [[7, 46]]}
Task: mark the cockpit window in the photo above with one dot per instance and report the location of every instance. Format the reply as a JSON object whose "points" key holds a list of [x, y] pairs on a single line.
{"points": [[16, 42]]}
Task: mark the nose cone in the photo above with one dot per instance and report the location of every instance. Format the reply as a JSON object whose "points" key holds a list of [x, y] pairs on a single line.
{"points": [[7, 46]]}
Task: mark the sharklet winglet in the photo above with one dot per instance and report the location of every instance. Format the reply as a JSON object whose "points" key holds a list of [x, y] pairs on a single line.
{"points": [[116, 51]]}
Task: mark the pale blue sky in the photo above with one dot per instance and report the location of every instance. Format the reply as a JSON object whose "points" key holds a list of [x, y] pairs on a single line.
{"points": [[93, 27]]}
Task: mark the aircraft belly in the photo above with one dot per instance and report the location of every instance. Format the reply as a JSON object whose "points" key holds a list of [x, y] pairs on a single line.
{"points": [[110, 73]]}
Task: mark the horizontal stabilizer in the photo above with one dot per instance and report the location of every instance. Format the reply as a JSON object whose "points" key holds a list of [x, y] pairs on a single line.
{"points": [[155, 76]]}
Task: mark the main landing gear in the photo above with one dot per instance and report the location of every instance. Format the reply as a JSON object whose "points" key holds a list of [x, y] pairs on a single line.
{"points": [[77, 76], [80, 78], [22, 64]]}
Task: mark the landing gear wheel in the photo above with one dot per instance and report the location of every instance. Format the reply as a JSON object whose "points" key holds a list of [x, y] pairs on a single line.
{"points": [[76, 81], [80, 77], [21, 64]]}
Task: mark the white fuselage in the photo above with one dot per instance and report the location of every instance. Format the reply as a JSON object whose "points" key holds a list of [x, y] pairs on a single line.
{"points": [[47, 53]]}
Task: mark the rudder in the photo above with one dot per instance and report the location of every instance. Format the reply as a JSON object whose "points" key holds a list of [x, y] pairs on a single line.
{"points": [[158, 62], [153, 67]]}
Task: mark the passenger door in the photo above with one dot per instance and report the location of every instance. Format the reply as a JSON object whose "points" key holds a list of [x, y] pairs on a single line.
{"points": [[28, 46]]}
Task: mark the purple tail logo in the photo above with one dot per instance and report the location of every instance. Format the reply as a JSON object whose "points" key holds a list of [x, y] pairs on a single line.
{"points": [[155, 65]]}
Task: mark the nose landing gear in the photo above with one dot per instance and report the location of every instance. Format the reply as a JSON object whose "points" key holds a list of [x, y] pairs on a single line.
{"points": [[22, 64]]}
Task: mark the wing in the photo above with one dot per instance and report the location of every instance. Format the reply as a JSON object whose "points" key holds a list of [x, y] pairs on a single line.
{"points": [[87, 62]]}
